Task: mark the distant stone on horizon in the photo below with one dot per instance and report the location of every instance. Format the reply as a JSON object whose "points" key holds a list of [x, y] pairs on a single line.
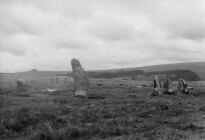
{"points": [[80, 78]]}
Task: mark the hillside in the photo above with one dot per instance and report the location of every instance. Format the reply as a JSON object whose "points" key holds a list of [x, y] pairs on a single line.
{"points": [[198, 67], [115, 74], [188, 75]]}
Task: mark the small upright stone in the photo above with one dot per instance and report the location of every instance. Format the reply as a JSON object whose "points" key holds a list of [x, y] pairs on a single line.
{"points": [[182, 84], [169, 89], [157, 86], [80, 78], [183, 87], [0, 83], [21, 86]]}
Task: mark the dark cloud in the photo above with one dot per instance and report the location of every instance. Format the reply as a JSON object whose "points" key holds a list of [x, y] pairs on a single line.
{"points": [[195, 35], [13, 50]]}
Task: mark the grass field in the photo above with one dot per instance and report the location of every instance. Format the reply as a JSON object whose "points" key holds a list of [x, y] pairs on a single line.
{"points": [[117, 109]]}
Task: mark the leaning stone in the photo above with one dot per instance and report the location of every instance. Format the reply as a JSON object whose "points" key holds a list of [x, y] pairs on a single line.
{"points": [[80, 78]]}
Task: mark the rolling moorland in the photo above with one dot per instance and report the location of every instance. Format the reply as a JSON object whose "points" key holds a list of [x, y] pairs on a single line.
{"points": [[119, 106], [197, 67]]}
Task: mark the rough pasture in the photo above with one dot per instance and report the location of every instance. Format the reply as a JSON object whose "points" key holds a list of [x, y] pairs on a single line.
{"points": [[115, 109]]}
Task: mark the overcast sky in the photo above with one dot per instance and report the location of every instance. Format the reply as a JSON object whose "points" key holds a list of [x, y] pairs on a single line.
{"points": [[102, 34]]}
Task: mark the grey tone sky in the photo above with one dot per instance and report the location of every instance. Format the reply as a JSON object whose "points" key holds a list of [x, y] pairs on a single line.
{"points": [[102, 34]]}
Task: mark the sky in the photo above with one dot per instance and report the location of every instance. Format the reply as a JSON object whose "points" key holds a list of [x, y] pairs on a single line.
{"points": [[102, 34]]}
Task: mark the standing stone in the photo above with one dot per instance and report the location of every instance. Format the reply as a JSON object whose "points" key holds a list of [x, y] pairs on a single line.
{"points": [[169, 89], [0, 83], [181, 84], [65, 80], [80, 78], [183, 87], [168, 83], [157, 86], [21, 86]]}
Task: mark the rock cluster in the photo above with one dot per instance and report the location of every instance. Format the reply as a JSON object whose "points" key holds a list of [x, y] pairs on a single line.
{"points": [[166, 86]]}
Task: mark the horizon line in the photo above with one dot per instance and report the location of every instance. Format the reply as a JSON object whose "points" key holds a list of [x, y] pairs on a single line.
{"points": [[103, 69]]}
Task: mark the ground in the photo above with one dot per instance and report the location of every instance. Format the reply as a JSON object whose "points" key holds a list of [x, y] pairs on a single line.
{"points": [[117, 109]]}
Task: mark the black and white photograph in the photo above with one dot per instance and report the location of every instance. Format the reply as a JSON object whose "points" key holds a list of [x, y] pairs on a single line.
{"points": [[102, 69]]}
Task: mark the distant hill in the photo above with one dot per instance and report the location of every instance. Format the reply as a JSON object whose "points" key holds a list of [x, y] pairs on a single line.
{"points": [[134, 74], [114, 74], [197, 67], [188, 75]]}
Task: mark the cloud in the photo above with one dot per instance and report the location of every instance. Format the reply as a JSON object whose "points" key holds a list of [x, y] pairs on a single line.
{"points": [[181, 18], [101, 34], [16, 44], [111, 29], [71, 44]]}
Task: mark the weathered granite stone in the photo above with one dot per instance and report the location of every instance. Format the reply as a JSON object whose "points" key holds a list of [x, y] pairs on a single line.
{"points": [[169, 89], [157, 86], [81, 80], [1, 83], [21, 86], [181, 84], [183, 87]]}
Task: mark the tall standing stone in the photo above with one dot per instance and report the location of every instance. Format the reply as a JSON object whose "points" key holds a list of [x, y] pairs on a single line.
{"points": [[169, 89], [1, 99], [80, 78], [168, 83], [21, 86], [183, 87], [181, 84], [157, 86], [0, 83]]}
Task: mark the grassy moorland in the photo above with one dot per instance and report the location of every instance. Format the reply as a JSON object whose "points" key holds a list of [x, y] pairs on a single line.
{"points": [[116, 110]]}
